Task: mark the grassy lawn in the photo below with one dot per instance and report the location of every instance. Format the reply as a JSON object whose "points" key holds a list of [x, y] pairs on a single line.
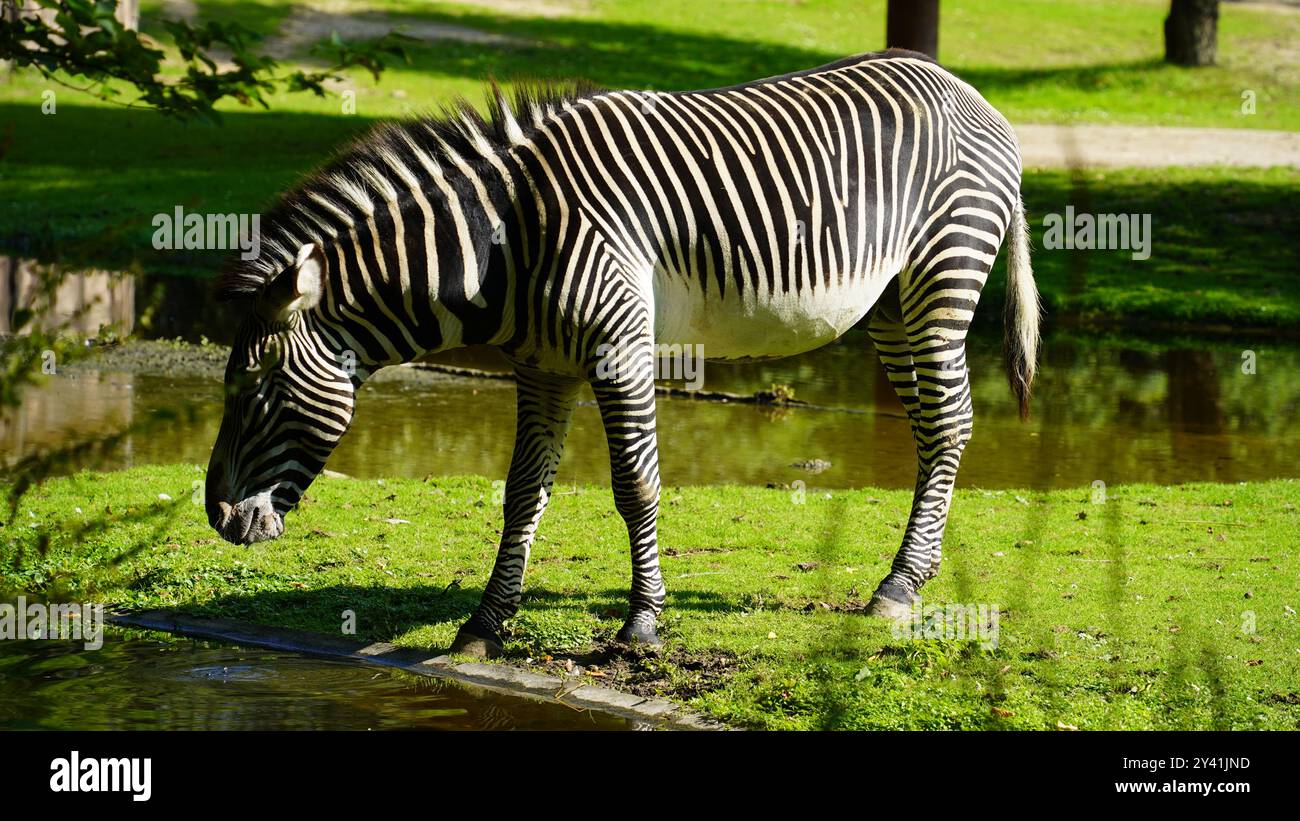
{"points": [[83, 184], [1165, 607], [1037, 60], [1220, 249]]}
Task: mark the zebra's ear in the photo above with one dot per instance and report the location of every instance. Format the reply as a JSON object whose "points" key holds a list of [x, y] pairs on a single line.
{"points": [[297, 289]]}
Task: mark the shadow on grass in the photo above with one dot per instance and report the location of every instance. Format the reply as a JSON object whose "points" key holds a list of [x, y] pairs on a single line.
{"points": [[1220, 243], [387, 613], [101, 193], [640, 55], [83, 186]]}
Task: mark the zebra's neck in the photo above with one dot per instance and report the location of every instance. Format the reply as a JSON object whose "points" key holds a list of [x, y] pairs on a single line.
{"points": [[429, 268], [422, 226]]}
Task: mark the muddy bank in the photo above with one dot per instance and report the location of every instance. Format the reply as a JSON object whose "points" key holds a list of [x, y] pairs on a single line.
{"points": [[575, 691], [644, 671], [157, 358], [188, 360], [208, 361]]}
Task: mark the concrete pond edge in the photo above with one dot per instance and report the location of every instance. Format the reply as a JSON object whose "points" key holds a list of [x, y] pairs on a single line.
{"points": [[500, 678]]}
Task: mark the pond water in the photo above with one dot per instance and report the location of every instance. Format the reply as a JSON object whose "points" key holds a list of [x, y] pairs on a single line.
{"points": [[140, 680], [1115, 412]]}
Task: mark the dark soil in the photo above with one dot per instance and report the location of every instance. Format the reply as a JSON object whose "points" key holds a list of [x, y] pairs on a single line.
{"points": [[644, 671]]}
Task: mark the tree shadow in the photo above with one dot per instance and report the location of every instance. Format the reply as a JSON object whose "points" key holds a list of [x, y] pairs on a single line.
{"points": [[387, 613], [991, 81], [640, 55], [152, 164]]}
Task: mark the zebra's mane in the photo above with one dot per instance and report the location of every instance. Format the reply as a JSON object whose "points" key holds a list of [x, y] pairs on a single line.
{"points": [[376, 169]]}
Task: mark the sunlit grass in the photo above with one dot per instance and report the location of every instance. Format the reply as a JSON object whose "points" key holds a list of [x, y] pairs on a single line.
{"points": [[1163, 607], [1218, 253]]}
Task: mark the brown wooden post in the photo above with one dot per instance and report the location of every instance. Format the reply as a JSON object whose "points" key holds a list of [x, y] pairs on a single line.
{"points": [[913, 25]]}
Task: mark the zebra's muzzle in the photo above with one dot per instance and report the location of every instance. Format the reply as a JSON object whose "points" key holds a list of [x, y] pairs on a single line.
{"points": [[252, 520]]}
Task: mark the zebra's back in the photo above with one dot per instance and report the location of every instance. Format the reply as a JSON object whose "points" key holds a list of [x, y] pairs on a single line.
{"points": [[768, 217]]}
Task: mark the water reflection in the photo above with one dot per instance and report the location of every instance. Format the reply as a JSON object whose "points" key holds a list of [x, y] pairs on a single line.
{"points": [[1114, 412], [85, 302], [141, 680], [1106, 413]]}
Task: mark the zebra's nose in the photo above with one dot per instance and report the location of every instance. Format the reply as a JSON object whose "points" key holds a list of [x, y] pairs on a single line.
{"points": [[217, 498], [219, 513]]}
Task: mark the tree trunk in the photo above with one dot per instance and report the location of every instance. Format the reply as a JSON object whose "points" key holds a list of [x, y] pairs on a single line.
{"points": [[1191, 32], [914, 25], [8, 11], [128, 14]]}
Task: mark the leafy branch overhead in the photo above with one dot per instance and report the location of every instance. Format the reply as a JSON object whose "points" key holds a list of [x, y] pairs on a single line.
{"points": [[66, 39]]}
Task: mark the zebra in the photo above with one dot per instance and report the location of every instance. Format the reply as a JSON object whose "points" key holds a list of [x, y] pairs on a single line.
{"points": [[757, 221]]}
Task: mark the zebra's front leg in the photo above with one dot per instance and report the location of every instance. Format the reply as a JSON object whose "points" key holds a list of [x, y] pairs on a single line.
{"points": [[545, 406], [627, 407]]}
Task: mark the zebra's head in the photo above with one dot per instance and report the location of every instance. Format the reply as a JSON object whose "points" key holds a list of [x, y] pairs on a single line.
{"points": [[289, 391]]}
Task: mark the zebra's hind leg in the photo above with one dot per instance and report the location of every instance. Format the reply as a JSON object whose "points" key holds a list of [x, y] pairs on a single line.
{"points": [[924, 355], [627, 408], [545, 406]]}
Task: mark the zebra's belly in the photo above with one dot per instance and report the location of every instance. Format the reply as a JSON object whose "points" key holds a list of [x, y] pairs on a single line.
{"points": [[753, 325]]}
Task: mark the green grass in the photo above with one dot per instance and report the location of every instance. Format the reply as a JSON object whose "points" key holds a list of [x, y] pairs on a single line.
{"points": [[1037, 60], [83, 184], [1165, 607], [1220, 253]]}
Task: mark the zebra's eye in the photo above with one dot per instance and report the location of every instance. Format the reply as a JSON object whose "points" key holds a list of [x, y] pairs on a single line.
{"points": [[258, 368], [246, 378], [267, 362]]}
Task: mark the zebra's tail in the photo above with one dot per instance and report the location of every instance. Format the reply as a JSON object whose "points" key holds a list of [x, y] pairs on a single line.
{"points": [[1021, 313]]}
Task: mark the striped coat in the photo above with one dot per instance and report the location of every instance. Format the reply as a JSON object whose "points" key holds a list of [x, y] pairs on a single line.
{"points": [[577, 230]]}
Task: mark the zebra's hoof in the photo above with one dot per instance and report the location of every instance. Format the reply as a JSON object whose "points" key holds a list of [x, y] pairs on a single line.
{"points": [[635, 632], [889, 609], [891, 602], [472, 644]]}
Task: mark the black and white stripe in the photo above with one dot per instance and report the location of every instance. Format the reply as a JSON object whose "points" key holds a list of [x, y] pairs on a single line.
{"points": [[757, 221]]}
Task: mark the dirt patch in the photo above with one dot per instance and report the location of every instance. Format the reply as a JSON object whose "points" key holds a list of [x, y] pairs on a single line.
{"points": [[1125, 146], [698, 551], [186, 10], [646, 672], [533, 8], [850, 606], [1282, 6], [309, 25], [1282, 698]]}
